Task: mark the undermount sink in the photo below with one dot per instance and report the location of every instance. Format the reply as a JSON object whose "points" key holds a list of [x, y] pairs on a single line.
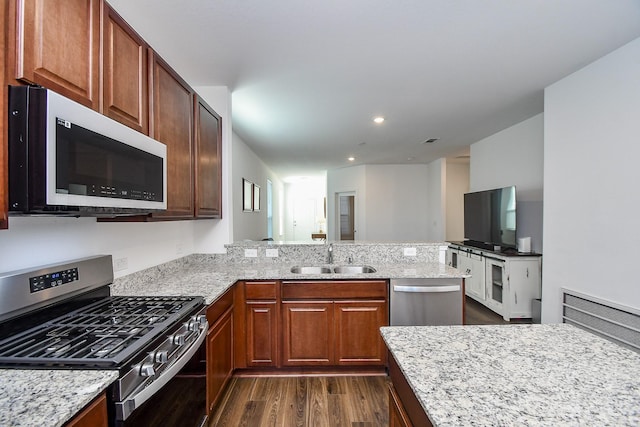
{"points": [[310, 270], [353, 269], [340, 269]]}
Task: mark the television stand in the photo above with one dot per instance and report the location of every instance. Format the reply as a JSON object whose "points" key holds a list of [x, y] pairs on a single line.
{"points": [[479, 245]]}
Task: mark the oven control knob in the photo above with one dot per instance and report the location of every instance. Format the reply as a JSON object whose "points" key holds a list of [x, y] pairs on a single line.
{"points": [[202, 319], [161, 356], [146, 370], [193, 325], [178, 339]]}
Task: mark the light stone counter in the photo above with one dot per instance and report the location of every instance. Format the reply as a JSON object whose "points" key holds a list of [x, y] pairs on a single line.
{"points": [[200, 275], [47, 398], [518, 375]]}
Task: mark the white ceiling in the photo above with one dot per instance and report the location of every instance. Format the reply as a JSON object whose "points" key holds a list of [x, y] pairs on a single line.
{"points": [[307, 77]]}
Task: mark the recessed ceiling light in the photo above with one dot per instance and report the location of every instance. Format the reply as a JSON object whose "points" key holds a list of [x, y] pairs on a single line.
{"points": [[378, 119], [351, 159]]}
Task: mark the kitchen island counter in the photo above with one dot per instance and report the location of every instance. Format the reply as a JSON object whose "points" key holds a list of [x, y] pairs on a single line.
{"points": [[542, 375], [40, 397]]}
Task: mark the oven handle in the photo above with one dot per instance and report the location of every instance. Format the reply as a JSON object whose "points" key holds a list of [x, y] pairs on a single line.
{"points": [[137, 400], [426, 289]]}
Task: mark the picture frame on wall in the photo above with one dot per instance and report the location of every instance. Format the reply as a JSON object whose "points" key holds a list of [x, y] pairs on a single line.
{"points": [[247, 195], [256, 198]]}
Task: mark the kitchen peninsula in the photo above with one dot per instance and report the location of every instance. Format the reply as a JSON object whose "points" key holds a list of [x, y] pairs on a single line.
{"points": [[507, 375]]}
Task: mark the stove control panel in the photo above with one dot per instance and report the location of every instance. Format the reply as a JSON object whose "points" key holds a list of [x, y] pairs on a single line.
{"points": [[52, 280]]}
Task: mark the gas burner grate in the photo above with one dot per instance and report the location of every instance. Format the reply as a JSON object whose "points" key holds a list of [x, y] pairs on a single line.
{"points": [[104, 333]]}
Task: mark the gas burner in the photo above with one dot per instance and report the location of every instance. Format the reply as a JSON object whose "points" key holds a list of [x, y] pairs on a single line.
{"points": [[58, 347], [107, 346]]}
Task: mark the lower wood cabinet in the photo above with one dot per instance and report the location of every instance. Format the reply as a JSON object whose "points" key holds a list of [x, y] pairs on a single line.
{"points": [[94, 415], [397, 415], [319, 323], [257, 313], [334, 323], [219, 348]]}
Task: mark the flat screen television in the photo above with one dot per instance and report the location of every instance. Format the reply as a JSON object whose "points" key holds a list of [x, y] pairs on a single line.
{"points": [[490, 218]]}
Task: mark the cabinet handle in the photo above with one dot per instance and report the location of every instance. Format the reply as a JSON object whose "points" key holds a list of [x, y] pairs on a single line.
{"points": [[527, 271], [515, 295]]}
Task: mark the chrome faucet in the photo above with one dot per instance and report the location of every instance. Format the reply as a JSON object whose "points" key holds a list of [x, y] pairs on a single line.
{"points": [[330, 250]]}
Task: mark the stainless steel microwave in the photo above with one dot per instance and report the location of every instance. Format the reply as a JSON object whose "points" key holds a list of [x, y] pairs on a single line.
{"points": [[67, 159]]}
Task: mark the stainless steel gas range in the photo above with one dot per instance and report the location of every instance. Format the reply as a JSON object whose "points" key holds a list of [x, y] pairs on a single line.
{"points": [[62, 316]]}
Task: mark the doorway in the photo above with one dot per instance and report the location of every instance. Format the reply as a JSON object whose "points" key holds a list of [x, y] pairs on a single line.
{"points": [[304, 214], [346, 224]]}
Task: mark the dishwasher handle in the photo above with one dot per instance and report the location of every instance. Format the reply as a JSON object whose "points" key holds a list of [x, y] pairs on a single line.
{"points": [[426, 289]]}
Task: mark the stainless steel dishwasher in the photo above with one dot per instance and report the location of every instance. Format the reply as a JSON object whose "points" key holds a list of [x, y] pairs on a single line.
{"points": [[418, 302]]}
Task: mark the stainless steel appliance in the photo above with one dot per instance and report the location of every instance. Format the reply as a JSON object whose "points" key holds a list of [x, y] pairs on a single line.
{"points": [[67, 159], [417, 302], [62, 317]]}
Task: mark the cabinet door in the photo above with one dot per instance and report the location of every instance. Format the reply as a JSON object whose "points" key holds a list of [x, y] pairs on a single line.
{"points": [[219, 357], [59, 47], [125, 68], [524, 285], [95, 415], [172, 124], [308, 333], [262, 330], [358, 340], [496, 285], [208, 161]]}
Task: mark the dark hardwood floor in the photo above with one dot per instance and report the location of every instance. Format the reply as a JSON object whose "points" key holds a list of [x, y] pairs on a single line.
{"points": [[477, 314], [304, 401]]}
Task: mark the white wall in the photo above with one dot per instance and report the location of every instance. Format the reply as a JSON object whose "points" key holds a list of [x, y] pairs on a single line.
{"points": [[392, 202], [246, 164], [32, 241], [396, 203], [514, 156], [457, 183], [591, 174]]}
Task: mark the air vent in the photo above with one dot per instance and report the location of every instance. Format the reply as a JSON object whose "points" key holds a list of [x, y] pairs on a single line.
{"points": [[431, 140]]}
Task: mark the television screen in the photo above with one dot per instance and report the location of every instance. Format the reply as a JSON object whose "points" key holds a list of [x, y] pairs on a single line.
{"points": [[490, 216]]}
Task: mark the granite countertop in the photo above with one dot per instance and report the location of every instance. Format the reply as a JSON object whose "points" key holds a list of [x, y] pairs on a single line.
{"points": [[211, 280], [48, 397], [526, 375]]}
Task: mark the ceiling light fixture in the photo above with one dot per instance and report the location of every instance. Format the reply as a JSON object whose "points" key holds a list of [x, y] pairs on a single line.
{"points": [[351, 159], [431, 140], [378, 119]]}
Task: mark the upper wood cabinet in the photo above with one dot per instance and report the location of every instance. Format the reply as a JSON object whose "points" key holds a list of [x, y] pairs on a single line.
{"points": [[125, 70], [172, 124], [208, 161], [58, 47]]}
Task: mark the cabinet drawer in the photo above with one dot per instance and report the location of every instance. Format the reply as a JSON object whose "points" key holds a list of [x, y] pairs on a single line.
{"points": [[340, 289], [219, 306], [260, 290]]}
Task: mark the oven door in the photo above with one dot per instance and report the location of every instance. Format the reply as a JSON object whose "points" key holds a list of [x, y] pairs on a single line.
{"points": [[174, 391]]}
